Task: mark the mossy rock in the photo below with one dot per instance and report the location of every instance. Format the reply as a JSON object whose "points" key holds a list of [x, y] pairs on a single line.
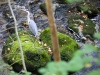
{"points": [[87, 26], [43, 8], [88, 9], [34, 53], [67, 45], [68, 1]]}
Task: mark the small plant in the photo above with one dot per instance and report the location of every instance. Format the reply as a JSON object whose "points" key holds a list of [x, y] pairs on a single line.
{"points": [[78, 62], [62, 67]]}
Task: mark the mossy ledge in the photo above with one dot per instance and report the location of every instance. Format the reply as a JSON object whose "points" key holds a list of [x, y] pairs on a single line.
{"points": [[34, 53], [67, 45], [87, 26]]}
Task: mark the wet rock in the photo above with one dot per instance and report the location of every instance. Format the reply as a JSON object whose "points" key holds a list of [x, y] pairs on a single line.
{"points": [[7, 15], [82, 26], [4, 1], [11, 27], [61, 1], [60, 13], [96, 3], [2, 21]]}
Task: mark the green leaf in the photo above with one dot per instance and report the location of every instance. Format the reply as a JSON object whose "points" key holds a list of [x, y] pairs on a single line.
{"points": [[62, 67], [27, 73], [95, 72], [87, 59], [72, 1], [76, 64], [13, 73], [89, 48], [79, 53], [42, 70], [97, 61], [55, 68], [51, 66], [97, 35]]}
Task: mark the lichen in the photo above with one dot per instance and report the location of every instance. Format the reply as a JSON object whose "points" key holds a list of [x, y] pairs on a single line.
{"points": [[67, 45]]}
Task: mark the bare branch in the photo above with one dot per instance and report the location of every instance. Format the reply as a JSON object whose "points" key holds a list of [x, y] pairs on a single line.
{"points": [[20, 46], [53, 31]]}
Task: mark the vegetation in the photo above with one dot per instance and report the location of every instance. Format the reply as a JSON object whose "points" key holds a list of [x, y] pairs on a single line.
{"points": [[63, 68], [43, 8], [67, 45], [88, 9], [69, 1], [85, 24], [34, 53]]}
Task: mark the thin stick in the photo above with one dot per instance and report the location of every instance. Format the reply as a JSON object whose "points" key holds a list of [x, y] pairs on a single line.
{"points": [[53, 30], [19, 42]]}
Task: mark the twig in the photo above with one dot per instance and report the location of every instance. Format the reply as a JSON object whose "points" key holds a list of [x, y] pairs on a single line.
{"points": [[53, 30], [20, 46]]}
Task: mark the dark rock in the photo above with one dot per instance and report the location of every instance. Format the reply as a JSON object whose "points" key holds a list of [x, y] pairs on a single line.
{"points": [[62, 1], [7, 15], [43, 7], [10, 28]]}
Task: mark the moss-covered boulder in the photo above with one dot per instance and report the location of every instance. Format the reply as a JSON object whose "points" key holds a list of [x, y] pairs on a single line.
{"points": [[88, 9], [35, 54], [67, 45], [82, 25]]}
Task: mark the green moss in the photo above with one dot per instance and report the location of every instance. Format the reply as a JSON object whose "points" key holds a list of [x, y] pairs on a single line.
{"points": [[88, 26], [88, 9], [67, 45], [34, 53], [43, 8]]}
